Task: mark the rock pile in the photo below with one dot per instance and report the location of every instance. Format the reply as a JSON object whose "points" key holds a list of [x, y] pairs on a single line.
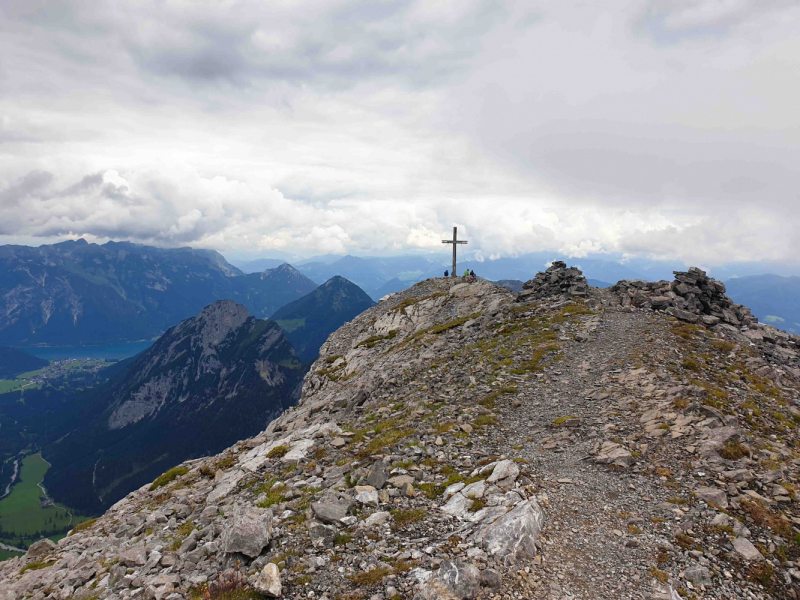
{"points": [[557, 280], [693, 297]]}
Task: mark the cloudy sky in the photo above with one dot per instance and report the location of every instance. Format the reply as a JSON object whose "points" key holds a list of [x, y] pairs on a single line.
{"points": [[666, 128]]}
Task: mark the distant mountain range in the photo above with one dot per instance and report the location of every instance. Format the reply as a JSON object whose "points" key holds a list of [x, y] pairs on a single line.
{"points": [[80, 293], [379, 276], [13, 362], [309, 321], [772, 298], [206, 383]]}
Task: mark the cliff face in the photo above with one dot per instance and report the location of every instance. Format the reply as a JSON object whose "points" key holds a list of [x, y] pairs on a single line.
{"points": [[206, 383], [461, 441]]}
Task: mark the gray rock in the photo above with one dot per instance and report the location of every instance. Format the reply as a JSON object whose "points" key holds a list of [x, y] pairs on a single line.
{"points": [[133, 557], [698, 575], [513, 536], [331, 509], [746, 549], [41, 548], [713, 496], [378, 475], [456, 580], [491, 578], [378, 518], [268, 581], [457, 505], [248, 530], [503, 471]]}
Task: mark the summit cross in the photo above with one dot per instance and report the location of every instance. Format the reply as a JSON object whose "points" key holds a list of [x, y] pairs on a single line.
{"points": [[455, 241]]}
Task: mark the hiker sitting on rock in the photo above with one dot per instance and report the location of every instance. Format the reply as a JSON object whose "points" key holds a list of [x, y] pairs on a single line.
{"points": [[446, 274]]}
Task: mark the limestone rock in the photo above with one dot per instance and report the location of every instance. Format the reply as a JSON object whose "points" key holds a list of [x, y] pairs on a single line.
{"points": [[248, 530], [268, 582], [513, 536], [41, 548], [744, 547]]}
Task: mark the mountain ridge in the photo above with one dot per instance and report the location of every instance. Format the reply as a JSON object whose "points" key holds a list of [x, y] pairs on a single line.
{"points": [[77, 293], [461, 441]]}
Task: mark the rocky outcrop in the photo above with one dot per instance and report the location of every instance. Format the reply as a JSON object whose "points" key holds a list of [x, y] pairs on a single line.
{"points": [[557, 280]]}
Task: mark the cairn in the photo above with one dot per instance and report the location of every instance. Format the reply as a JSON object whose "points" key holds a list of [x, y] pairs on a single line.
{"points": [[693, 297], [557, 280]]}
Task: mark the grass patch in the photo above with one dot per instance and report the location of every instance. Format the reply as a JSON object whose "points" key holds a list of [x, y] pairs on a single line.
{"points": [[484, 420], [407, 517], [275, 493], [84, 526], [374, 340], [369, 578], [36, 566], [278, 451], [691, 363], [225, 463], [766, 518], [168, 477]]}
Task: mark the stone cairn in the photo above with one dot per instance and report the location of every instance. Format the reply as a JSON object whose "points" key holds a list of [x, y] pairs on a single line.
{"points": [[693, 297], [557, 280]]}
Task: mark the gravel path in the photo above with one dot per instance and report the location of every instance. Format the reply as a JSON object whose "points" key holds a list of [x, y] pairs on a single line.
{"points": [[599, 539]]}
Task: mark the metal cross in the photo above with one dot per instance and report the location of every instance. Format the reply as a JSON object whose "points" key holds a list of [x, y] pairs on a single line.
{"points": [[455, 241]]}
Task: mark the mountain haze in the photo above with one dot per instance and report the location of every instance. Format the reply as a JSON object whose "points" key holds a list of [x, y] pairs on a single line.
{"points": [[80, 293]]}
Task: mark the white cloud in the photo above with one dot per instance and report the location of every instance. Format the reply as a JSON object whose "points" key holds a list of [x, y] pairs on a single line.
{"points": [[363, 127]]}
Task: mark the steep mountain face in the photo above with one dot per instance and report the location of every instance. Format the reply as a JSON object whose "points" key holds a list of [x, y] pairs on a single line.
{"points": [[772, 298], [461, 441], [273, 288], [206, 383], [76, 293], [310, 320], [13, 362]]}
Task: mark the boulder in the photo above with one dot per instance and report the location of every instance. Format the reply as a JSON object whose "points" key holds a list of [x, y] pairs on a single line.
{"points": [[612, 453], [248, 530], [41, 548], [268, 581], [513, 536]]}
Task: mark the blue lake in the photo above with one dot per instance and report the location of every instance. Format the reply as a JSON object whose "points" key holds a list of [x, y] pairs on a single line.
{"points": [[117, 351]]}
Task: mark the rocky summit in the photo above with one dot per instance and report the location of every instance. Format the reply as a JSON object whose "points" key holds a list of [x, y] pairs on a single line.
{"points": [[460, 441]]}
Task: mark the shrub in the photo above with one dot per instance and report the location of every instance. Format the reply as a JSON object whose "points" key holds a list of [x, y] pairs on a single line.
{"points": [[168, 477], [206, 471], [734, 450], [766, 518], [229, 586], [762, 573]]}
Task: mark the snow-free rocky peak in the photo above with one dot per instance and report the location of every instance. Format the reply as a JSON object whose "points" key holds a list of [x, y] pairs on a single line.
{"points": [[460, 441]]}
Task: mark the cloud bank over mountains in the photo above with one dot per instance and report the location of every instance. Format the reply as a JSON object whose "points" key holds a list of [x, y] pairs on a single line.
{"points": [[664, 128]]}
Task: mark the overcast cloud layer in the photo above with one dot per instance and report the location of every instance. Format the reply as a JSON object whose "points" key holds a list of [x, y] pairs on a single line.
{"points": [[666, 128]]}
